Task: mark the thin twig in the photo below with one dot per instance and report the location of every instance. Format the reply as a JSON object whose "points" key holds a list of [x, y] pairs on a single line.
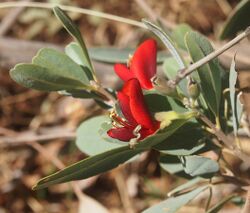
{"points": [[228, 141], [185, 72], [153, 15], [209, 198], [72, 9], [10, 19], [56, 162], [20, 97], [27, 137], [122, 189]]}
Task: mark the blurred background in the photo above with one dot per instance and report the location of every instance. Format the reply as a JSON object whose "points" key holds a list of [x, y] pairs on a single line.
{"points": [[37, 129]]}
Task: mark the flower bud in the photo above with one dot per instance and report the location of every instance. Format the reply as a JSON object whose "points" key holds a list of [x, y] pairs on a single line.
{"points": [[161, 85], [193, 89]]}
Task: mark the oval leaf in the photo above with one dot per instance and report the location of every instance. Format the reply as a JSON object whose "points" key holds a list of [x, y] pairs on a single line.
{"points": [[210, 73], [108, 160], [238, 20], [179, 33], [114, 55], [199, 166], [170, 164], [172, 204], [89, 167], [74, 51], [40, 78], [181, 143], [171, 69], [74, 31], [166, 41], [91, 141], [60, 64]]}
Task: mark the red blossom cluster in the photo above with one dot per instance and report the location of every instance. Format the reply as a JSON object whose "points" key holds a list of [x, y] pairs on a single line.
{"points": [[137, 122]]}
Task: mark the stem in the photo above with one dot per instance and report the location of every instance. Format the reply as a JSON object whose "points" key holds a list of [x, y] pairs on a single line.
{"points": [[209, 198], [73, 9], [228, 141], [187, 71], [102, 91]]}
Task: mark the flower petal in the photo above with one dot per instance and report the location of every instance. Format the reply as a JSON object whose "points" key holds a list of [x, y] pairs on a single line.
{"points": [[137, 104], [124, 105], [123, 72], [143, 63], [122, 134], [146, 132]]}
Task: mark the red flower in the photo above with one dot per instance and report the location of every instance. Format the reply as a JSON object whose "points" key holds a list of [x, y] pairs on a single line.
{"points": [[142, 65], [138, 122]]}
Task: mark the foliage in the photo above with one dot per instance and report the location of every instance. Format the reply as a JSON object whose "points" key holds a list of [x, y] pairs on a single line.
{"points": [[141, 120]]}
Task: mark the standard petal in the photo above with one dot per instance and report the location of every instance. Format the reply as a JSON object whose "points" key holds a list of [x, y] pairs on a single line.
{"points": [[137, 104], [122, 134], [125, 108], [143, 63], [123, 72]]}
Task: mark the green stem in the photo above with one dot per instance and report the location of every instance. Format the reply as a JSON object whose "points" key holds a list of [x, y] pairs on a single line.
{"points": [[72, 9], [209, 198]]}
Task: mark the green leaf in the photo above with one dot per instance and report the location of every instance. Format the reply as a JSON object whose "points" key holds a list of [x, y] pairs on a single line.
{"points": [[74, 51], [186, 186], [61, 64], [91, 140], [181, 143], [179, 33], [170, 164], [40, 78], [172, 204], [216, 208], [115, 55], [166, 41], [239, 108], [108, 160], [74, 31], [210, 73], [156, 102], [232, 83], [199, 166], [238, 20], [89, 167], [170, 69], [162, 134], [166, 118], [110, 54]]}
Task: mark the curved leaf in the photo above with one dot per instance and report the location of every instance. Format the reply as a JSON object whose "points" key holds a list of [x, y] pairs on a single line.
{"points": [[232, 84], [199, 166], [209, 75], [171, 69], [74, 31], [170, 164], [91, 141], [179, 33], [40, 78], [60, 64], [181, 143], [108, 160], [166, 41], [172, 204], [238, 20], [89, 167]]}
